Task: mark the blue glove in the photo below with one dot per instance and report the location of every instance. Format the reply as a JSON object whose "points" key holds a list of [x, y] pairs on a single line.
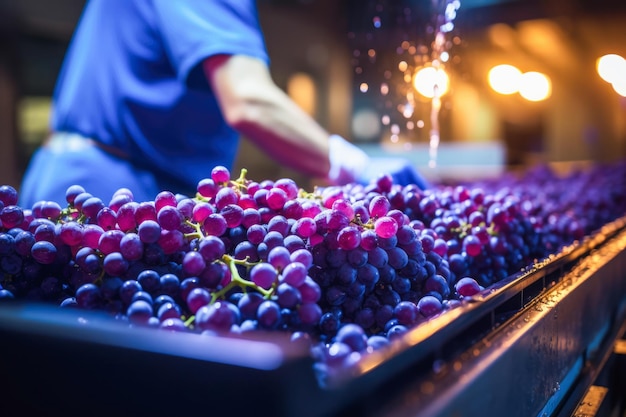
{"points": [[349, 163], [401, 170]]}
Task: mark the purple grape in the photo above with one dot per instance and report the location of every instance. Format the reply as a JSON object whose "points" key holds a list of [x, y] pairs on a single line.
{"points": [[211, 248], [149, 231], [268, 315], [220, 174], [198, 297], [215, 225], [131, 247], [264, 275], [232, 214], [219, 316], [139, 312], [44, 252], [115, 264], [294, 274], [170, 218], [193, 263]]}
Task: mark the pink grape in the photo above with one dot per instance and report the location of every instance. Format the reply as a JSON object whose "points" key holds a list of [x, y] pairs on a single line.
{"points": [[379, 206], [385, 227], [276, 198], [349, 238], [220, 174], [201, 211], [126, 220], [207, 188], [163, 199]]}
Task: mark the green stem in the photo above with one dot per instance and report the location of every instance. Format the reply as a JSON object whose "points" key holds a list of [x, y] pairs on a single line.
{"points": [[197, 233], [237, 281]]}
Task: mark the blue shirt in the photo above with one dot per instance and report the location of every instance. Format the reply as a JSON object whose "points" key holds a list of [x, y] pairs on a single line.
{"points": [[133, 79]]}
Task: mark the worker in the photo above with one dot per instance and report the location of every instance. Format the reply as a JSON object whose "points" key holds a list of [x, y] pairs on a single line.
{"points": [[153, 94]]}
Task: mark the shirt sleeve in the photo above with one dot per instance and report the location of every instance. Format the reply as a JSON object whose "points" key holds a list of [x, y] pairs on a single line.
{"points": [[193, 30]]}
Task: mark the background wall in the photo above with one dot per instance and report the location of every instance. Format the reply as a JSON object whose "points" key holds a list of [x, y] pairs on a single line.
{"points": [[319, 51]]}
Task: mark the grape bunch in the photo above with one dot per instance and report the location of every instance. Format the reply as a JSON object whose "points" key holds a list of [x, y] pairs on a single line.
{"points": [[346, 268]]}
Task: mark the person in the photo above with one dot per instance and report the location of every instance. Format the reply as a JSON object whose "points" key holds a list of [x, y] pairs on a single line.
{"points": [[153, 94]]}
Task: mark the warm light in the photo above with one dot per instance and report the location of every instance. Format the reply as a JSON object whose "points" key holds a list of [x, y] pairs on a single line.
{"points": [[504, 79], [301, 88], [620, 86], [611, 67], [429, 79], [535, 86]]}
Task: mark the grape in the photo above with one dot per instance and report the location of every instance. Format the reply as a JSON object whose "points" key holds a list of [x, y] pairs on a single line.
{"points": [[288, 296], [467, 286], [106, 218], [127, 216], [131, 247], [90, 208], [407, 312], [295, 274], [349, 238], [276, 198], [8, 195], [379, 206], [149, 231], [304, 227], [200, 211], [168, 310], [88, 296], [352, 335], [119, 199], [171, 241], [429, 306], [115, 264], [309, 313], [219, 316], [169, 284], [279, 257], [11, 216], [164, 199], [472, 245], [193, 263], [44, 252], [264, 275], [302, 256], [215, 224], [170, 218], [269, 315], [198, 297], [23, 242], [211, 248], [220, 174], [139, 312]]}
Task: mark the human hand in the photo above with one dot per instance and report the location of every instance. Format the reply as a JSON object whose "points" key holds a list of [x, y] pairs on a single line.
{"points": [[347, 162], [400, 169]]}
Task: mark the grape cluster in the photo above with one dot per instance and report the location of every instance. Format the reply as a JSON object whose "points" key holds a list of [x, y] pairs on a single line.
{"points": [[348, 268]]}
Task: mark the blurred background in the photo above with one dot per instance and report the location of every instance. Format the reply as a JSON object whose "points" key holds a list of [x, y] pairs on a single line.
{"points": [[517, 81]]}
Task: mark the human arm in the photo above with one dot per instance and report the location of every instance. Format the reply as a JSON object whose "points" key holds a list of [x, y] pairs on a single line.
{"points": [[256, 107]]}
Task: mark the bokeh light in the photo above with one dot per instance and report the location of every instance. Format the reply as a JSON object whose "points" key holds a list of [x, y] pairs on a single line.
{"points": [[505, 79], [620, 86], [535, 86], [611, 67], [427, 79]]}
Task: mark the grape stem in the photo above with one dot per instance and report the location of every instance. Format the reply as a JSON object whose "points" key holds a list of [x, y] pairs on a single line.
{"points": [[237, 281], [197, 233]]}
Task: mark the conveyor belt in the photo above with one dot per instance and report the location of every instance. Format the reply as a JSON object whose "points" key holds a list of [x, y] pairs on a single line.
{"points": [[532, 346]]}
